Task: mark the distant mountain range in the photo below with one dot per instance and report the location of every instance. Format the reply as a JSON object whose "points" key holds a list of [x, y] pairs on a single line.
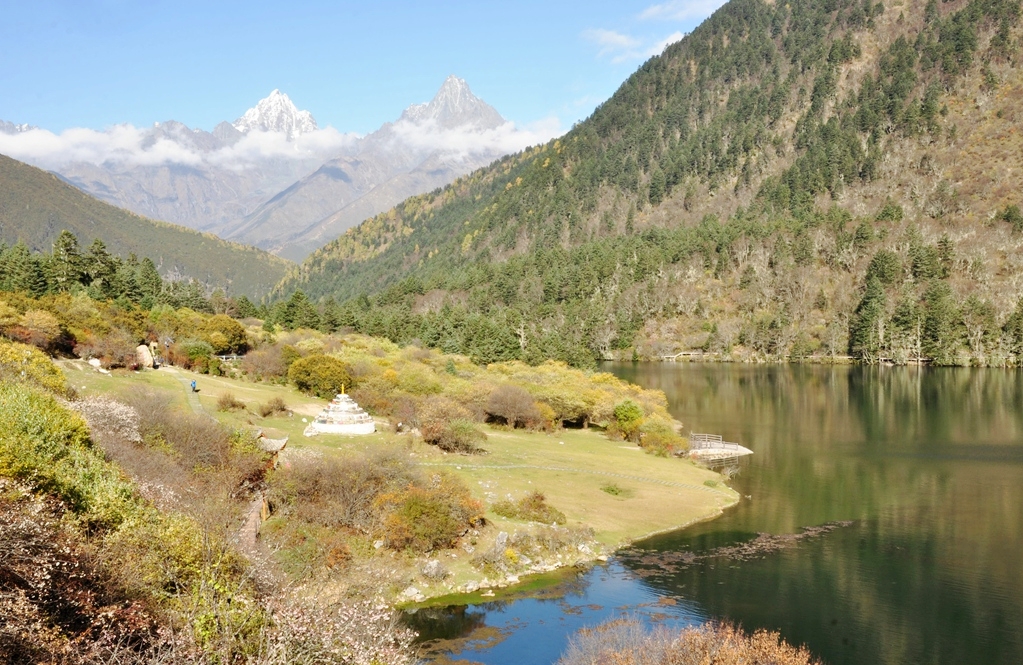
{"points": [[273, 178]]}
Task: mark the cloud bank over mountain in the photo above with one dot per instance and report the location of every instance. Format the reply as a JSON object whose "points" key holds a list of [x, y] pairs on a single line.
{"points": [[273, 129], [126, 145], [273, 177]]}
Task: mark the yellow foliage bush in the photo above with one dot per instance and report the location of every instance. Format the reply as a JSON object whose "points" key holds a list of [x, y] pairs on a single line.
{"points": [[23, 363]]}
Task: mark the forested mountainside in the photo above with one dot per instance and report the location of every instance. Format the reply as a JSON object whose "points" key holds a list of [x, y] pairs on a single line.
{"points": [[810, 178], [35, 206]]}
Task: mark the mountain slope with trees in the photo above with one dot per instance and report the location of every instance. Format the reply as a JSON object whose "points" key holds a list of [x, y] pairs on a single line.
{"points": [[789, 180], [35, 206]]}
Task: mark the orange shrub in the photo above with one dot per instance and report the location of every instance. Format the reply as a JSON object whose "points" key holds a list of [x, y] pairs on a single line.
{"points": [[428, 518]]}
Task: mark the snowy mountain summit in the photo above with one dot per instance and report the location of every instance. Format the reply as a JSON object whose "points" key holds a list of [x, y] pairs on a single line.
{"points": [[453, 106], [276, 113]]}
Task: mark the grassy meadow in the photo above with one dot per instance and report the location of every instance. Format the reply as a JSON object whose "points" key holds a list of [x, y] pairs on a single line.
{"points": [[612, 487]]}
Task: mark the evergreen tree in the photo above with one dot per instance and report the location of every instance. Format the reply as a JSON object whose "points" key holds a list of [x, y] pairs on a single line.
{"points": [[246, 310], [941, 327], [125, 280], [24, 271], [149, 280], [66, 263], [866, 328], [100, 268], [330, 317], [1012, 331], [298, 312]]}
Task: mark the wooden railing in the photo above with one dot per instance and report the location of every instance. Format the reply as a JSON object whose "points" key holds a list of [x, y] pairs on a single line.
{"points": [[710, 442]]}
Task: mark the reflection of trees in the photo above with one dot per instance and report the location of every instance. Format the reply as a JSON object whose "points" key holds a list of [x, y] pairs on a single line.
{"points": [[927, 460], [444, 623], [457, 622], [862, 595]]}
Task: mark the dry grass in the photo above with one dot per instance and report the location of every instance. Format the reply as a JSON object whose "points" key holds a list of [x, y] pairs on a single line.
{"points": [[228, 402], [273, 407], [627, 642]]}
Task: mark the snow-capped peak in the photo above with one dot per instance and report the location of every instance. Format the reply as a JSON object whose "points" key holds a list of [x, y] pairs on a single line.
{"points": [[276, 113], [454, 105], [12, 128]]}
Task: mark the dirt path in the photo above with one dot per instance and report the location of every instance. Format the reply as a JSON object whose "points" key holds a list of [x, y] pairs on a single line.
{"points": [[192, 397], [247, 536]]}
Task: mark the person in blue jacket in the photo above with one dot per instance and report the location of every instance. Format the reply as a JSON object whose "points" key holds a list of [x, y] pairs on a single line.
{"points": [[193, 386]]}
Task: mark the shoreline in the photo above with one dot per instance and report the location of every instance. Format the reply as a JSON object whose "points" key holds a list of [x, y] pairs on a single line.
{"points": [[514, 586]]}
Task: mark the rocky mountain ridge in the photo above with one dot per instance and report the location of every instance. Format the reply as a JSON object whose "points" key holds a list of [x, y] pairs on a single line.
{"points": [[276, 113]]}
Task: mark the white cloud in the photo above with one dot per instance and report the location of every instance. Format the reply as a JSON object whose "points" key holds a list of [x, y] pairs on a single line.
{"points": [[463, 142], [610, 41], [126, 145], [659, 47], [623, 48], [681, 10]]}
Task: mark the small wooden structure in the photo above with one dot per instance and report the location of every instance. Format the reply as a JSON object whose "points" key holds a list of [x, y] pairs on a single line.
{"points": [[271, 446], [711, 449]]}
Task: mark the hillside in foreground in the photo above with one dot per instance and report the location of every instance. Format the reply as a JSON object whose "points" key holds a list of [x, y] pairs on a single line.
{"points": [[790, 180], [35, 206]]}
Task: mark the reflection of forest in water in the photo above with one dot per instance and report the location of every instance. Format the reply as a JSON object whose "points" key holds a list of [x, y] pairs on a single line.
{"points": [[928, 463]]}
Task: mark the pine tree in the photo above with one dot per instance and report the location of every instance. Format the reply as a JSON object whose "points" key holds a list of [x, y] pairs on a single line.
{"points": [[942, 327], [299, 313], [866, 328], [66, 263], [100, 268], [25, 271], [149, 280], [246, 310], [1012, 331], [330, 317]]}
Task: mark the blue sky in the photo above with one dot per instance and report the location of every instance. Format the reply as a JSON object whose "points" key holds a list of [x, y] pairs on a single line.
{"points": [[97, 63]]}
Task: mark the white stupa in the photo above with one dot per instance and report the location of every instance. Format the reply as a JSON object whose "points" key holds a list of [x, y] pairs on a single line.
{"points": [[341, 416]]}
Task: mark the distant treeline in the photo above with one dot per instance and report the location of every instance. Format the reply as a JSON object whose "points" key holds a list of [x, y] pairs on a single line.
{"points": [[103, 276]]}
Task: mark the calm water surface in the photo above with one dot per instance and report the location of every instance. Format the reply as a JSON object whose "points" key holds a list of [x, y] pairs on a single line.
{"points": [[918, 471]]}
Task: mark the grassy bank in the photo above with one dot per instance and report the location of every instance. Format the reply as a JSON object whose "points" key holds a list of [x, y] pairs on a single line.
{"points": [[611, 487]]}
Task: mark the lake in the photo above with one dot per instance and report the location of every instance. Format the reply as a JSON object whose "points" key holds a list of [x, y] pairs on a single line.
{"points": [[882, 522]]}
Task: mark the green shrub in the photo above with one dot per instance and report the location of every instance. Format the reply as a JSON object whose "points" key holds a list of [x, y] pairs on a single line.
{"points": [[289, 355], [658, 436], [225, 334], [1012, 215], [448, 425], [419, 380], [532, 508], [47, 446], [320, 375], [628, 416], [616, 490]]}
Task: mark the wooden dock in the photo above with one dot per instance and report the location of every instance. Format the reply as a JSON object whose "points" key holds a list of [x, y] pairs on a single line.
{"points": [[711, 449]]}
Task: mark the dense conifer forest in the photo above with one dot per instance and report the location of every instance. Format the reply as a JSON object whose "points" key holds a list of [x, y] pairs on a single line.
{"points": [[798, 180]]}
